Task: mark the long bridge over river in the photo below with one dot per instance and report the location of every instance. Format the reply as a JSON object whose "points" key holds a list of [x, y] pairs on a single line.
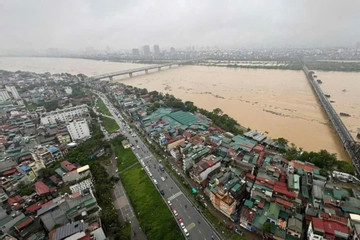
{"points": [[350, 145], [146, 69]]}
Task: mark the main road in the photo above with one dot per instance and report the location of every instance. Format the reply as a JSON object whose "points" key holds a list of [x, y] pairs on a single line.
{"points": [[194, 222]]}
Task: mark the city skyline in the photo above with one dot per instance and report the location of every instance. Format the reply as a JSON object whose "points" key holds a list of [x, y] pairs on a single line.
{"points": [[115, 25]]}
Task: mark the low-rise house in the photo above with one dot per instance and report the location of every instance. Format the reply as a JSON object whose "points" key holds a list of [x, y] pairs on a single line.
{"points": [[77, 175], [63, 138], [44, 156], [8, 220], [42, 189], [204, 167], [294, 227], [273, 213], [323, 229], [67, 166], [68, 208], [74, 230], [56, 153]]}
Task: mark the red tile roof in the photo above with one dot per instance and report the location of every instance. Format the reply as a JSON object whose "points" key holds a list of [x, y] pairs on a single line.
{"points": [[33, 208], [283, 191], [15, 199], [333, 217], [10, 171], [24, 223], [283, 202], [304, 166], [329, 227], [317, 223], [187, 134], [248, 214], [42, 189], [175, 139], [66, 165], [250, 176]]}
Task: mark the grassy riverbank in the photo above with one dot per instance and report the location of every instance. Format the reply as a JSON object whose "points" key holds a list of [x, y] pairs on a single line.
{"points": [[154, 216]]}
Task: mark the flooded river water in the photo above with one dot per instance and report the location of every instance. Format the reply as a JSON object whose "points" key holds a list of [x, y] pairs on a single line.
{"points": [[279, 103]]}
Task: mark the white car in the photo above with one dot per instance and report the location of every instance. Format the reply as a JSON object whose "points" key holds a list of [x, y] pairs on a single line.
{"points": [[175, 213], [155, 182], [186, 232], [182, 225], [169, 203]]}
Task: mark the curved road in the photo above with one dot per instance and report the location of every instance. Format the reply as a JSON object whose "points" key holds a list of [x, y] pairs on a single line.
{"points": [[192, 219]]}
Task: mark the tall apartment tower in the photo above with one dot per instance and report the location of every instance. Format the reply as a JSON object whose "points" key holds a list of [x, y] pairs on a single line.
{"points": [[156, 50], [146, 50], [12, 89], [4, 95]]}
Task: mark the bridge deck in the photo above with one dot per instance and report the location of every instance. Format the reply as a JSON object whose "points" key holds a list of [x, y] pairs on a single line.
{"points": [[129, 71], [352, 148]]}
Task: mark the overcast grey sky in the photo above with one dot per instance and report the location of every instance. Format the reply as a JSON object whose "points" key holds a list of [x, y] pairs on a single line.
{"points": [[123, 24]]}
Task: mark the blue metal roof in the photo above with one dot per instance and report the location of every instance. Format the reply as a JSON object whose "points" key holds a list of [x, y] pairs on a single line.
{"points": [[53, 149], [25, 168]]}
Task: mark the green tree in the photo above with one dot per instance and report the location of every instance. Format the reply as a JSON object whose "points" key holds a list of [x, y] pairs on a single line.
{"points": [[25, 189], [346, 167], [45, 172], [266, 228], [217, 111]]}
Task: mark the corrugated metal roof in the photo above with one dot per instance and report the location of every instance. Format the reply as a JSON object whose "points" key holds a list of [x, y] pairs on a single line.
{"points": [[70, 229]]}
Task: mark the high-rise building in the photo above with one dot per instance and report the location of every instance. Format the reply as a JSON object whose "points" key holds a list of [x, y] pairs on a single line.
{"points": [[4, 95], [358, 45], [146, 50], [13, 91], [78, 129], [64, 115], [135, 52], [156, 50]]}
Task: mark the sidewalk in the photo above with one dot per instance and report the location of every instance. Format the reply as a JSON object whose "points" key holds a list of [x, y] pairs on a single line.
{"points": [[122, 203]]}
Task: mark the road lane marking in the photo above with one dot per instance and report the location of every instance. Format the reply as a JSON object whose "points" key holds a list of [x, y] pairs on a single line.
{"points": [[190, 226], [175, 195]]}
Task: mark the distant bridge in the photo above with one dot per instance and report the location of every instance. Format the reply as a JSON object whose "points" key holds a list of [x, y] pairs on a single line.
{"points": [[146, 69], [350, 145]]}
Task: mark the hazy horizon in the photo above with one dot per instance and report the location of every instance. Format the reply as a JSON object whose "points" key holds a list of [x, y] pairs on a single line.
{"points": [[75, 25]]}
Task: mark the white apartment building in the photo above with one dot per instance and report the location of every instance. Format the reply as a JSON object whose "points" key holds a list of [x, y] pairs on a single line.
{"points": [[13, 91], [4, 95], [78, 129], [64, 115], [68, 90]]}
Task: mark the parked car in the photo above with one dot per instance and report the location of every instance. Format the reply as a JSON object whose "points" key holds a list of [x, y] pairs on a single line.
{"points": [[182, 225], [239, 232], [186, 232]]}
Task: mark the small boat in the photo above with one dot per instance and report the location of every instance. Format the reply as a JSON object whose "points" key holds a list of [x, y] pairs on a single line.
{"points": [[345, 114], [344, 90], [332, 101], [327, 95], [358, 134], [319, 81]]}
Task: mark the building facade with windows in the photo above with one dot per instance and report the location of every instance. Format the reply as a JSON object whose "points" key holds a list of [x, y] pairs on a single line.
{"points": [[64, 115], [78, 129]]}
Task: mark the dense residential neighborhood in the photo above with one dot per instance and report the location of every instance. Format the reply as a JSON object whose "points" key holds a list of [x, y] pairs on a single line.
{"points": [[57, 138]]}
